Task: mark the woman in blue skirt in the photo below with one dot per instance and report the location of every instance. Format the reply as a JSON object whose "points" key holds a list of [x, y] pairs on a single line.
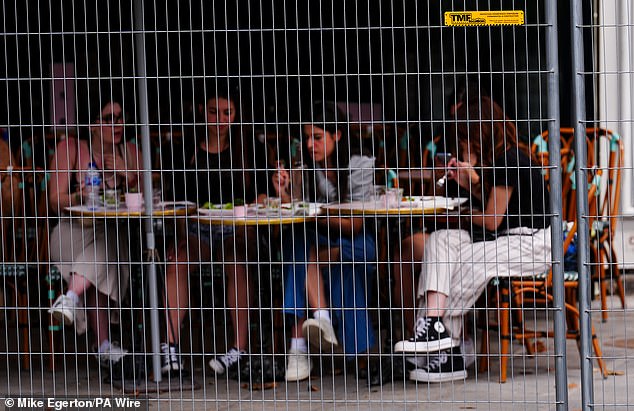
{"points": [[329, 266]]}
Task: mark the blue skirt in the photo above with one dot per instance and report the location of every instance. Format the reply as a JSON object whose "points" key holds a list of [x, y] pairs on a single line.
{"points": [[347, 283]]}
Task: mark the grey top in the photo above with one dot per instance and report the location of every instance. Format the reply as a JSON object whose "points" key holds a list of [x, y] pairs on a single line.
{"points": [[360, 181]]}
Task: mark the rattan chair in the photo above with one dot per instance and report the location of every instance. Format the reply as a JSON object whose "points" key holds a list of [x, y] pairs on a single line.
{"points": [[605, 267], [510, 296]]}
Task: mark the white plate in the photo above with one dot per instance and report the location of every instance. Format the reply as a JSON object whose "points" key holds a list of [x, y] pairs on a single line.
{"points": [[222, 212], [447, 203], [314, 209], [302, 209], [173, 205], [275, 212]]}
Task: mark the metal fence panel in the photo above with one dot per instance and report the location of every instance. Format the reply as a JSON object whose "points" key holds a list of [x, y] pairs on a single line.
{"points": [[609, 261], [367, 205]]}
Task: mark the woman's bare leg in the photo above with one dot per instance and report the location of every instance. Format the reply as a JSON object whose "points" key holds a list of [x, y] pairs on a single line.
{"points": [[180, 264], [238, 298], [406, 259], [78, 284], [97, 315], [296, 331], [239, 290], [435, 304], [315, 283]]}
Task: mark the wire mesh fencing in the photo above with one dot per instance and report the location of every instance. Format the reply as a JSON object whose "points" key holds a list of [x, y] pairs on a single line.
{"points": [[370, 205]]}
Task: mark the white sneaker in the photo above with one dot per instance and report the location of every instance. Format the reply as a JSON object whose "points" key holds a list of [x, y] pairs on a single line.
{"points": [[63, 310], [299, 366], [320, 334], [112, 355], [170, 359]]}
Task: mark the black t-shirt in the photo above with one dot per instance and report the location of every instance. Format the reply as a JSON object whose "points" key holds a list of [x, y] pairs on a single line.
{"points": [[217, 178], [529, 204]]}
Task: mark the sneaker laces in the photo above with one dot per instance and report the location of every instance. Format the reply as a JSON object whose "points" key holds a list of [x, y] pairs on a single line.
{"points": [[169, 353], [230, 358], [437, 361], [165, 348], [115, 346], [422, 326], [115, 350]]}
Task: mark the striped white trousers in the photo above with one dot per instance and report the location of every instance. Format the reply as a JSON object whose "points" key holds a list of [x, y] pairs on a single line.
{"points": [[461, 269]]}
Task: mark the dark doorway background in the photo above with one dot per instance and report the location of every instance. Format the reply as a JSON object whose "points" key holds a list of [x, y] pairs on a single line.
{"points": [[283, 55]]}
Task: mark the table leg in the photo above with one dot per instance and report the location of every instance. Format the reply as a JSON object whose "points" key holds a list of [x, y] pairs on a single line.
{"points": [[154, 317]]}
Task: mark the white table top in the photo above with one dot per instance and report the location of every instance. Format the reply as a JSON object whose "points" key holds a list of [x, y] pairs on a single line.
{"points": [[258, 216], [410, 206], [163, 209]]}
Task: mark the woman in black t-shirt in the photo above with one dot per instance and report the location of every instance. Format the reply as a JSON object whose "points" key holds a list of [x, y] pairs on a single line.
{"points": [[220, 169], [509, 237]]}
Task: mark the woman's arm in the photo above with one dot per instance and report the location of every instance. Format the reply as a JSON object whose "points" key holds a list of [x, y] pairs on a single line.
{"points": [[132, 167], [64, 161], [495, 209], [360, 188], [466, 176], [281, 181]]}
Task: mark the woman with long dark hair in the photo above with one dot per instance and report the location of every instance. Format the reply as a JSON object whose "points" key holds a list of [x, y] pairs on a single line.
{"points": [[509, 237], [341, 173], [219, 170]]}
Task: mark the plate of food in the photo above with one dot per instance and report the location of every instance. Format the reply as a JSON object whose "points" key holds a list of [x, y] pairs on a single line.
{"points": [[281, 211], [173, 205], [415, 201], [303, 208], [217, 210]]}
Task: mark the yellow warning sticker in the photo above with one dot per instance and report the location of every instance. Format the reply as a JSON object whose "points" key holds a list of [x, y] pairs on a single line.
{"points": [[484, 18]]}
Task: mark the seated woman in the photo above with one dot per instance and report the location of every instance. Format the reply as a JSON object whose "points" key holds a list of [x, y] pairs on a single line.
{"points": [[509, 237], [219, 170], [92, 258], [408, 258], [339, 175]]}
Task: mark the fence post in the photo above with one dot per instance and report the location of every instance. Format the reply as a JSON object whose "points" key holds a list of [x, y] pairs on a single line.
{"points": [[579, 121], [144, 120], [554, 161]]}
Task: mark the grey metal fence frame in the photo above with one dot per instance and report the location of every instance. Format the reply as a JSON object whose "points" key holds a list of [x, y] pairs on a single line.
{"points": [[358, 395]]}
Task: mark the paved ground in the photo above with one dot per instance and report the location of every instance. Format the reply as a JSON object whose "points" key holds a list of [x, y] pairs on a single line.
{"points": [[530, 386]]}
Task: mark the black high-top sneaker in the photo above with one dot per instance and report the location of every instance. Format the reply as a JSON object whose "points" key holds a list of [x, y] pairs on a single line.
{"points": [[444, 366], [431, 335]]}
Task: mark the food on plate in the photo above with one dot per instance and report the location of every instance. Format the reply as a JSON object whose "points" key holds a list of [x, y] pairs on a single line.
{"points": [[226, 206]]}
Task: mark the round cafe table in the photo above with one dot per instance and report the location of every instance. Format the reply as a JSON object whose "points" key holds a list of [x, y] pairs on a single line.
{"points": [[414, 206], [432, 208], [163, 209], [251, 220], [257, 217]]}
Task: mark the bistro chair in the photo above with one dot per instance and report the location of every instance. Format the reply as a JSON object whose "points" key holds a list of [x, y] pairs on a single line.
{"points": [[25, 240], [511, 295], [602, 233], [539, 151], [605, 266]]}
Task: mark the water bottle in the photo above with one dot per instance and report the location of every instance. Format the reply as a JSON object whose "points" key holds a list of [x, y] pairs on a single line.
{"points": [[298, 189], [92, 186]]}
